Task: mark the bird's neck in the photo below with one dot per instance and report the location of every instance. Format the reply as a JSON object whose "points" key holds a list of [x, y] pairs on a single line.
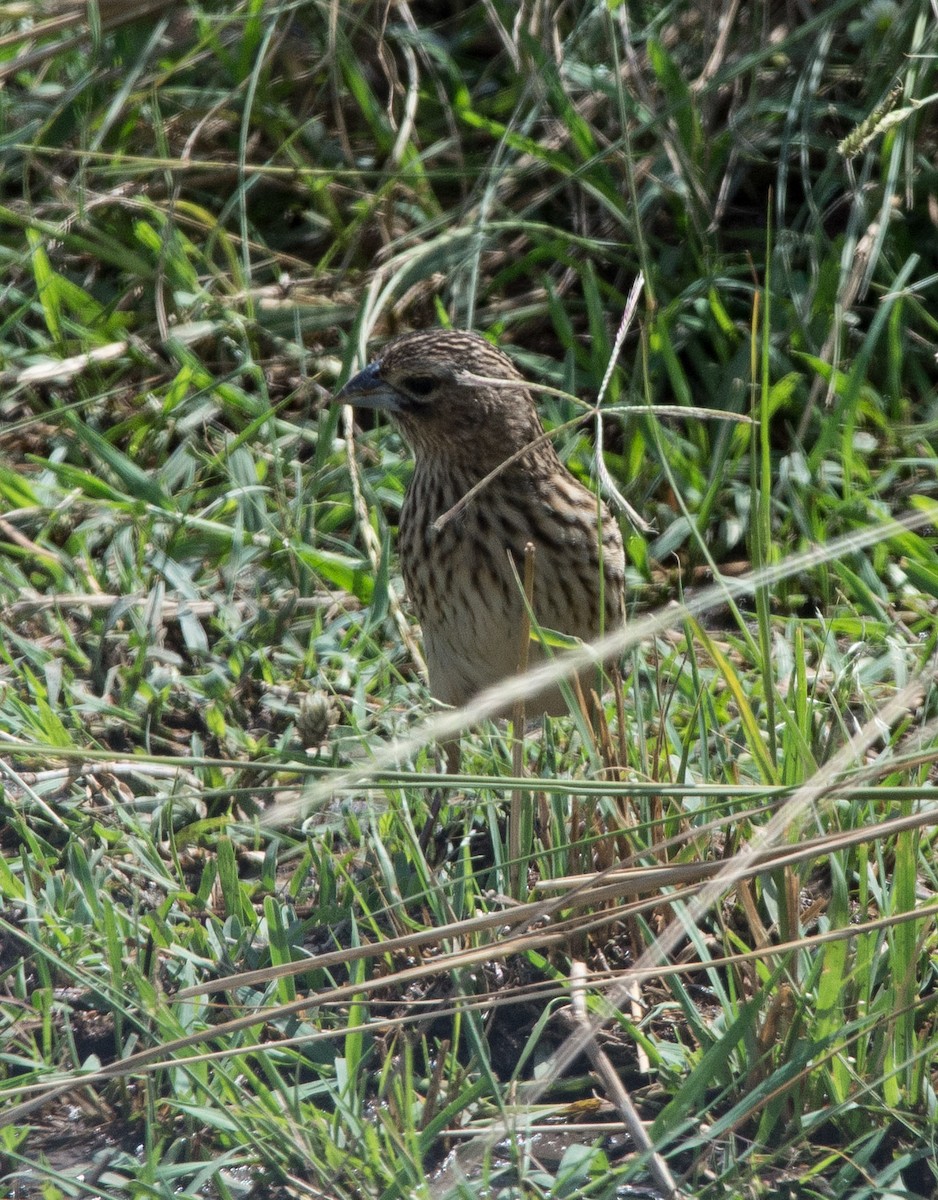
{"points": [[439, 484]]}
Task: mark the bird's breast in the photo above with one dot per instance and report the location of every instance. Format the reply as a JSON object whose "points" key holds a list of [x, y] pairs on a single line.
{"points": [[464, 579], [474, 562]]}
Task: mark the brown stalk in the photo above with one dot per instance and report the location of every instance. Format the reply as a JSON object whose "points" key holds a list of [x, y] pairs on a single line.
{"points": [[517, 720]]}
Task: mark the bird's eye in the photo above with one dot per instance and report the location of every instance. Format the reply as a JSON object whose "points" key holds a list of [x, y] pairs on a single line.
{"points": [[419, 385]]}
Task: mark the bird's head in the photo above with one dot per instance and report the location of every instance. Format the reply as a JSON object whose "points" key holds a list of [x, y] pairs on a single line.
{"points": [[451, 393]]}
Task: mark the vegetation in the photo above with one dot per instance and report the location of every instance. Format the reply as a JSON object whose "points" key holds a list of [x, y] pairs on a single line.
{"points": [[251, 942]]}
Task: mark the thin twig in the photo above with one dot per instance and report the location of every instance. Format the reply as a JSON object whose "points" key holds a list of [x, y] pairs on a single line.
{"points": [[373, 546], [517, 749], [614, 1087], [606, 481]]}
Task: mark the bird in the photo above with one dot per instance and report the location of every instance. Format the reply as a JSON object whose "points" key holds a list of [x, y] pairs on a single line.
{"points": [[464, 409]]}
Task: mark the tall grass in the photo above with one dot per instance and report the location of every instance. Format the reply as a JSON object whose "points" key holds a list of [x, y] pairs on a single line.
{"points": [[252, 940]]}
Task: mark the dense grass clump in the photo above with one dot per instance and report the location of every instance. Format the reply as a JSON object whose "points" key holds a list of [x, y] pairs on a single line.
{"points": [[252, 941]]}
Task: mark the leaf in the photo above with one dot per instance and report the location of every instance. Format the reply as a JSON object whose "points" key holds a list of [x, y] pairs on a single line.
{"points": [[139, 484], [351, 576], [748, 718]]}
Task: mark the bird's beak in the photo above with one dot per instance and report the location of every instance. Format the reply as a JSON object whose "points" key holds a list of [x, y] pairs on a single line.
{"points": [[368, 390]]}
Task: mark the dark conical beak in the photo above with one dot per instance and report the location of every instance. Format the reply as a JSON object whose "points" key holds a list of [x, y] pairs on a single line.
{"points": [[368, 390]]}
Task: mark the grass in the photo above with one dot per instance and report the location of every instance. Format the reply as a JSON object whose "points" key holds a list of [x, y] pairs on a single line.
{"points": [[235, 958]]}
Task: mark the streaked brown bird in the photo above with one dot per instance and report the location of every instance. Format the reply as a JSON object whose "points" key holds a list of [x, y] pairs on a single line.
{"points": [[463, 409]]}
